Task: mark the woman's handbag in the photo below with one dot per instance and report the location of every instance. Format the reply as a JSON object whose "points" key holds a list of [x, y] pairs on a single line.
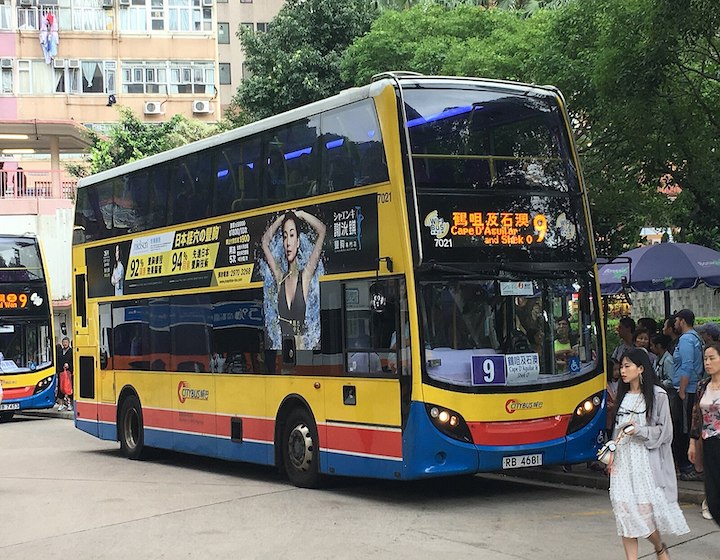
{"points": [[606, 453]]}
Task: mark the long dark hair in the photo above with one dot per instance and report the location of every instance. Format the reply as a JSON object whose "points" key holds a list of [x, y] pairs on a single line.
{"points": [[640, 358]]}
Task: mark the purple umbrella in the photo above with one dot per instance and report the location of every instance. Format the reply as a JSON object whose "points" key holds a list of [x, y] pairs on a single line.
{"points": [[662, 267]]}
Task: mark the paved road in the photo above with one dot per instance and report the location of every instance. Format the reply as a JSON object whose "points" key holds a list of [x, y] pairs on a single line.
{"points": [[67, 495]]}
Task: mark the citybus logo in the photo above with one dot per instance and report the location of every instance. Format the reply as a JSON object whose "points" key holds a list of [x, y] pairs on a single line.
{"points": [[185, 392], [512, 405]]}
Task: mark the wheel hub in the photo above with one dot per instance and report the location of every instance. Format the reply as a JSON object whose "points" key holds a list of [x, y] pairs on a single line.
{"points": [[300, 447]]}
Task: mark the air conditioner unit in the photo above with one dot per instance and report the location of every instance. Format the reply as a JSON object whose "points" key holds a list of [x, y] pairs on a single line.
{"points": [[108, 3], [207, 2], [73, 63], [5, 62], [152, 108], [124, 2], [201, 106], [58, 63], [27, 2]]}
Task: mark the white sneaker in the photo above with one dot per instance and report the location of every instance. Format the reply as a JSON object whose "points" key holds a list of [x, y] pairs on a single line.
{"points": [[705, 511], [62, 407]]}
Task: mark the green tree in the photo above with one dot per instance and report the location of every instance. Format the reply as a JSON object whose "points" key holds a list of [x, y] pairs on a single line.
{"points": [[131, 139], [297, 60], [644, 75]]}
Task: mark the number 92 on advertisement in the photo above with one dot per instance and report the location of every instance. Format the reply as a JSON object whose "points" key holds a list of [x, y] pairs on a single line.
{"points": [[520, 461]]}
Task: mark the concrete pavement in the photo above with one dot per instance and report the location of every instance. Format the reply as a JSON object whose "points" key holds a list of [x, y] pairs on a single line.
{"points": [[689, 492]]}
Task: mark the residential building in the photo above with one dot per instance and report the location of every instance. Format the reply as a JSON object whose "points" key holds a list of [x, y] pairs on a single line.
{"points": [[255, 15], [67, 65]]}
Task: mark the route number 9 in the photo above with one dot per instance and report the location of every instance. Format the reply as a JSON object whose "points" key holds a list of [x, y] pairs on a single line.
{"points": [[489, 371]]}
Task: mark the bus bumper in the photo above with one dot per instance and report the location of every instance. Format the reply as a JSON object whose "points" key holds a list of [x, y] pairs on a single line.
{"points": [[42, 399], [429, 452]]}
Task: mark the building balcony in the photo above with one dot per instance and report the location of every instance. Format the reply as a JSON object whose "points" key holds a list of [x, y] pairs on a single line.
{"points": [[36, 183]]}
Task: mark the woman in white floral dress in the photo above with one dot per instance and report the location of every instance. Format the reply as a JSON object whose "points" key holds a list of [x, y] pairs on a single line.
{"points": [[643, 485]]}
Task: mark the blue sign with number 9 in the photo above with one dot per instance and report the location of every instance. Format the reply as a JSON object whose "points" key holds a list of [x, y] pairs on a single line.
{"points": [[488, 370]]}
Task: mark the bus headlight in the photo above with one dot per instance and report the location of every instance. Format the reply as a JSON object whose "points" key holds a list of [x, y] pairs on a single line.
{"points": [[584, 412], [43, 384], [449, 422]]}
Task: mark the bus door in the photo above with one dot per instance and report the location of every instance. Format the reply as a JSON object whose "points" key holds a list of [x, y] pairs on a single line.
{"points": [[363, 404]]}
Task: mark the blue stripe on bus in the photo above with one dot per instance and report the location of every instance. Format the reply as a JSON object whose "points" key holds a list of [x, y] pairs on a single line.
{"points": [[354, 465]]}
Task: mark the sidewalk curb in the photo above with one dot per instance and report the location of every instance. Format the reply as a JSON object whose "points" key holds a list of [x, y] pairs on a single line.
{"points": [[688, 492]]}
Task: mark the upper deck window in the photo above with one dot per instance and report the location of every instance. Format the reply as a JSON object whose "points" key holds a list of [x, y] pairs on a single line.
{"points": [[472, 138], [332, 151], [19, 260]]}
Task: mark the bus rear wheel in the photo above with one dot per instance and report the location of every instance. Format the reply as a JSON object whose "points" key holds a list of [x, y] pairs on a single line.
{"points": [[6, 416], [130, 428], [300, 450]]}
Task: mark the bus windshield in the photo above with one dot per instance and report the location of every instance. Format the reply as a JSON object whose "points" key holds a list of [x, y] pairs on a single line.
{"points": [[527, 332], [465, 137], [25, 345]]}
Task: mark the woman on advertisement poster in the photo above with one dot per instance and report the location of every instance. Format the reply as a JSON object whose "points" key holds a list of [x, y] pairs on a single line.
{"points": [[292, 302]]}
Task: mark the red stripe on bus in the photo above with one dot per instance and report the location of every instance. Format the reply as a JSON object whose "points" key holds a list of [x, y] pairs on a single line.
{"points": [[519, 432], [18, 392], [260, 429], [367, 440]]}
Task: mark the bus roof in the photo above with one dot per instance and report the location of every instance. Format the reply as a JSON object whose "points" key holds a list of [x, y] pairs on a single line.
{"points": [[343, 98]]}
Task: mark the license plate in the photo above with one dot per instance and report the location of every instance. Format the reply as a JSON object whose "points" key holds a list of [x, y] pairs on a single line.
{"points": [[520, 461], [10, 406]]}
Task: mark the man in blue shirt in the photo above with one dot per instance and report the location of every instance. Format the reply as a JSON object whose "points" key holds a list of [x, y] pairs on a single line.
{"points": [[688, 359]]}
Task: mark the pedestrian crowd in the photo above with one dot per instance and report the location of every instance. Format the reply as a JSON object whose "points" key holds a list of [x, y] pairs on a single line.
{"points": [[663, 396]]}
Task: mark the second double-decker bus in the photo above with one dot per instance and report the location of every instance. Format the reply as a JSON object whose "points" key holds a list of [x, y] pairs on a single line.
{"points": [[395, 282], [27, 372]]}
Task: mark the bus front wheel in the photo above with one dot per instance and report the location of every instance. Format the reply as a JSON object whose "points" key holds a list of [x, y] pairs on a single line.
{"points": [[300, 450], [130, 429]]}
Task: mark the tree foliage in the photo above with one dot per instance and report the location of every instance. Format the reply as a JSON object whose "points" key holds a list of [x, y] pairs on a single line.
{"points": [[297, 60], [131, 139], [640, 77]]}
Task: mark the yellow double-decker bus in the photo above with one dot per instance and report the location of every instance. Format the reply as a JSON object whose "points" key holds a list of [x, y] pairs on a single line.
{"points": [[27, 368], [397, 282]]}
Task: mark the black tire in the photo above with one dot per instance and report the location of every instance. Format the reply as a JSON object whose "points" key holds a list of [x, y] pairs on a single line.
{"points": [[300, 449], [130, 429], [7, 416]]}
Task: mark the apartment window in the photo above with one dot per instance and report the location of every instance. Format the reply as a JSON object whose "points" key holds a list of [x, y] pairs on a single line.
{"points": [[247, 25], [135, 16], [67, 79], [246, 1], [168, 77], [98, 76], [262, 27], [189, 15], [157, 15], [5, 14], [246, 72], [223, 33], [85, 15], [6, 75], [34, 76], [224, 70], [140, 77]]}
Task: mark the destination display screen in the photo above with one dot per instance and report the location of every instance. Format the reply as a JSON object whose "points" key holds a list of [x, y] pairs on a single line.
{"points": [[520, 228], [19, 300]]}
